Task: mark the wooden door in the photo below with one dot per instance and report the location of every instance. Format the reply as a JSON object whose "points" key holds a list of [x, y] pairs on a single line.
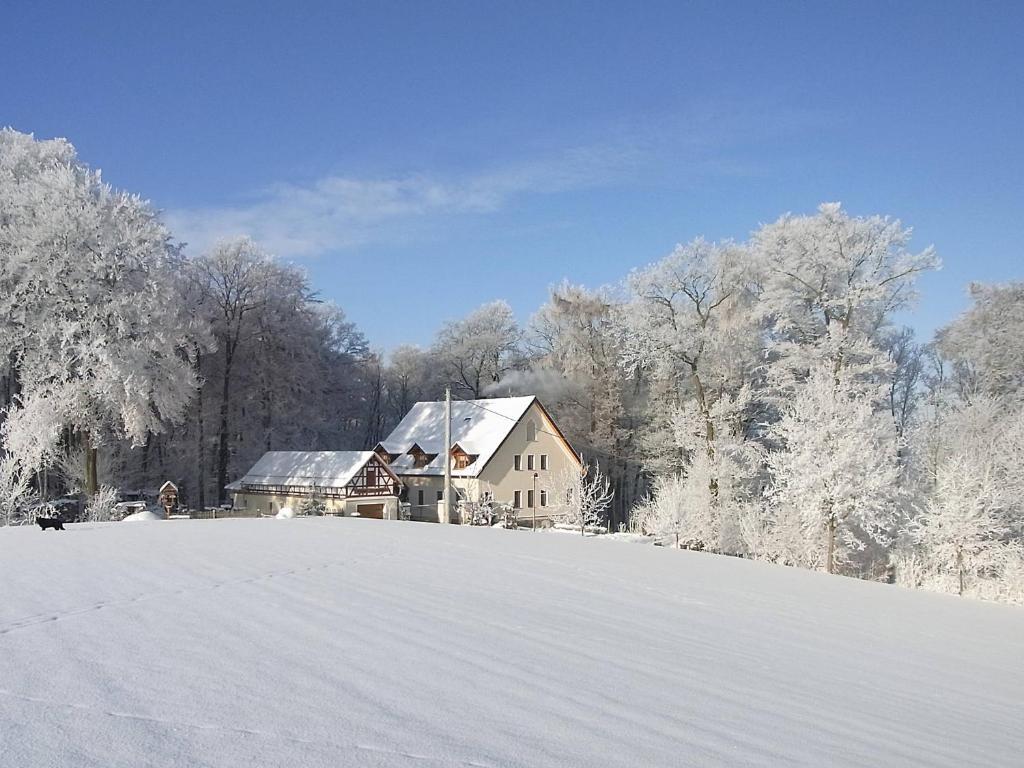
{"points": [[371, 510]]}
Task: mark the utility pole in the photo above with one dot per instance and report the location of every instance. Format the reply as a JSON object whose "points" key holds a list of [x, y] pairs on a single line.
{"points": [[447, 503], [535, 501]]}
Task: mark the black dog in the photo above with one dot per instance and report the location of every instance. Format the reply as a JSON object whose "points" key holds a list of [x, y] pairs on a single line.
{"points": [[50, 522]]}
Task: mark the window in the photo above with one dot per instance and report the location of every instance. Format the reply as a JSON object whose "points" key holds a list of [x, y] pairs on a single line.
{"points": [[440, 495], [371, 477], [529, 499], [419, 497], [529, 462], [543, 498], [531, 431], [517, 499], [421, 459], [519, 463], [543, 461]]}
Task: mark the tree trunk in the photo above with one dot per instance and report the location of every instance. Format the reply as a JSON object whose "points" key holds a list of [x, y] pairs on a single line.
{"points": [[268, 410], [709, 427], [830, 560], [223, 449], [200, 446], [960, 569], [91, 481]]}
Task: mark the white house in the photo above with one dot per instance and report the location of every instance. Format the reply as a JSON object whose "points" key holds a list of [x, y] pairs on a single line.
{"points": [[348, 482], [507, 449]]}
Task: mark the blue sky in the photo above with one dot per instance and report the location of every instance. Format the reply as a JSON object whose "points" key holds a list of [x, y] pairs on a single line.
{"points": [[420, 159]]}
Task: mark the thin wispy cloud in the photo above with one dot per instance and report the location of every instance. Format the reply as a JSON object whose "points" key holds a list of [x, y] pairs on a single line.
{"points": [[337, 212]]}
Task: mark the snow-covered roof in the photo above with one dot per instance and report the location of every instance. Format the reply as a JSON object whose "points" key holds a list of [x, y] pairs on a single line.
{"points": [[478, 427], [328, 469]]}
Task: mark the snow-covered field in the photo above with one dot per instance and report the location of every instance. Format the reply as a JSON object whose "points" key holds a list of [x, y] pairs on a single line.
{"points": [[346, 642]]}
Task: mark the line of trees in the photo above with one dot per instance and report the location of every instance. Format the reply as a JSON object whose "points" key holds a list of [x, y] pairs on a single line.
{"points": [[752, 398]]}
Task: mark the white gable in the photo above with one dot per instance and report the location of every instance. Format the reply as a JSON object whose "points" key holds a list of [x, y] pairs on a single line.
{"points": [[479, 427], [328, 469]]}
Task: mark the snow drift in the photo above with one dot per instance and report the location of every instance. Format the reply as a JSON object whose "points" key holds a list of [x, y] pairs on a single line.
{"points": [[143, 516], [353, 642]]}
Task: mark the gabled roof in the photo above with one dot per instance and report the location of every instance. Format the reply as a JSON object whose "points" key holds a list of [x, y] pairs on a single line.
{"points": [[329, 469], [478, 426]]}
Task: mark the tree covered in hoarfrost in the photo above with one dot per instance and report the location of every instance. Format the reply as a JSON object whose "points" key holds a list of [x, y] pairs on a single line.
{"points": [[411, 377], [972, 519], [582, 497], [667, 514], [833, 469], [17, 494], [689, 324], [985, 345], [477, 350], [831, 284], [575, 370], [286, 372], [90, 314]]}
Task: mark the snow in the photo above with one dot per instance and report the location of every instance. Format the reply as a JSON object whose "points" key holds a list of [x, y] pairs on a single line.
{"points": [[337, 641], [330, 469], [479, 427], [143, 516], [285, 513]]}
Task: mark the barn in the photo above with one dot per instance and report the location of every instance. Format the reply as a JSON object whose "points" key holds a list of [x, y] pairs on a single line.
{"points": [[349, 483]]}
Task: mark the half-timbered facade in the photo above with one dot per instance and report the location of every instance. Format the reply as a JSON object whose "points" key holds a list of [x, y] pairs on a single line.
{"points": [[349, 483]]}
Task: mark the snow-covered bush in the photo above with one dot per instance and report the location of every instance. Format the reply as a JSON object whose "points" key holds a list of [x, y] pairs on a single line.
{"points": [[100, 507], [17, 496], [312, 506], [483, 512]]}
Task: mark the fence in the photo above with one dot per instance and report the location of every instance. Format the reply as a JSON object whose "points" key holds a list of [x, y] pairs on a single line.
{"points": [[215, 513]]}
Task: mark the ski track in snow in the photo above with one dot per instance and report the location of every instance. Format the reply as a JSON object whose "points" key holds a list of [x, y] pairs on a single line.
{"points": [[327, 642]]}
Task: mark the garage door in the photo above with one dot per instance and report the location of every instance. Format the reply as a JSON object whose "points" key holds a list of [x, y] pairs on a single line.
{"points": [[371, 510]]}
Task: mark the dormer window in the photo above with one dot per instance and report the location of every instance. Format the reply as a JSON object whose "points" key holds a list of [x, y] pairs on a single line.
{"points": [[461, 459], [419, 458]]}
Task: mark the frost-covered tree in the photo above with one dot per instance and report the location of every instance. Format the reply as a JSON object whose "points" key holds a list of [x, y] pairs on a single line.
{"points": [[688, 323], [411, 376], [831, 284], [973, 494], [962, 524], [287, 371], [575, 370], [582, 497], [90, 314], [477, 350], [985, 345], [663, 514], [908, 361], [234, 281], [833, 469], [17, 494]]}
